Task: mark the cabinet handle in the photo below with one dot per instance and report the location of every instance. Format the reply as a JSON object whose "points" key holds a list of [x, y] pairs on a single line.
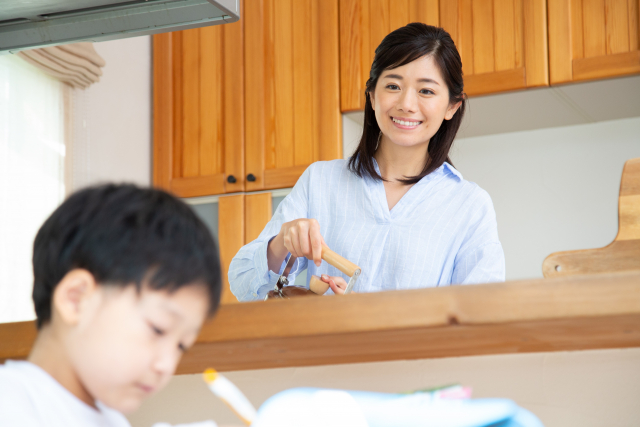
{"points": [[231, 179], [251, 177]]}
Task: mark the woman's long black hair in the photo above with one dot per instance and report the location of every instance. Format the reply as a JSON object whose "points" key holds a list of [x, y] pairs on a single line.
{"points": [[400, 47]]}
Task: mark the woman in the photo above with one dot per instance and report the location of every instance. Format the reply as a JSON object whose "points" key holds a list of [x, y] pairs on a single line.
{"points": [[397, 207]]}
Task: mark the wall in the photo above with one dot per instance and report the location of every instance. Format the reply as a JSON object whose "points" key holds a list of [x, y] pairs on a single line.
{"points": [[112, 136]]}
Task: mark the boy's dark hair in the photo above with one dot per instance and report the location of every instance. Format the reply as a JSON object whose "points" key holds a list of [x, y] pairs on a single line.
{"points": [[124, 235], [400, 47]]}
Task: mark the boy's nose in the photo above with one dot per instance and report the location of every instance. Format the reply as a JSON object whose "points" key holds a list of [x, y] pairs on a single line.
{"points": [[166, 361]]}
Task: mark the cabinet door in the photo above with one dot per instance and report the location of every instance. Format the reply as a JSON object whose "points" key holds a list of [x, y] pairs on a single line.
{"points": [[502, 43], [241, 219], [291, 89], [593, 39], [199, 110], [363, 25]]}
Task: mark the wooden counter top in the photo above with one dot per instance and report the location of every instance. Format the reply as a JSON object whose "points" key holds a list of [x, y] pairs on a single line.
{"points": [[576, 313]]}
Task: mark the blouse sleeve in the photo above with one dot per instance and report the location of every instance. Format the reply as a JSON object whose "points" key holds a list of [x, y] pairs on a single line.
{"points": [[249, 274], [480, 258]]}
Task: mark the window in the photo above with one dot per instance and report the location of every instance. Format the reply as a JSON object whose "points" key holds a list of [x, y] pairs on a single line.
{"points": [[32, 155]]}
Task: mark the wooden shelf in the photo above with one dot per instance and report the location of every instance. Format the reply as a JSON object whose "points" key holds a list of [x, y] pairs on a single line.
{"points": [[576, 313]]}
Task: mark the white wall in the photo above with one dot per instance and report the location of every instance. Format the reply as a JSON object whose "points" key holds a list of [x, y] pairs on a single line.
{"points": [[112, 138]]}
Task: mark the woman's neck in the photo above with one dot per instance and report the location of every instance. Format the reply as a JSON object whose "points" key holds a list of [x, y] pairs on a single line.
{"points": [[397, 162]]}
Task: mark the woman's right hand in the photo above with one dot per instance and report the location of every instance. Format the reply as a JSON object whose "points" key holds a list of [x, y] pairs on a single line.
{"points": [[301, 237]]}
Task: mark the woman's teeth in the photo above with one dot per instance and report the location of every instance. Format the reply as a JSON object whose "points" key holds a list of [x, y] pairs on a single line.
{"points": [[405, 123]]}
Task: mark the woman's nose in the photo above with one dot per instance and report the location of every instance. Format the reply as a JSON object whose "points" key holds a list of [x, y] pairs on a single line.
{"points": [[407, 101]]}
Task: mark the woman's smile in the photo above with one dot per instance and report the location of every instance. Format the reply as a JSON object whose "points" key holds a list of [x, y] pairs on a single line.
{"points": [[405, 123]]}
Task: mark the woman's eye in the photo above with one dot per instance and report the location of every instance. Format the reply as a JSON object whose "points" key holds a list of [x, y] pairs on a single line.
{"points": [[393, 87], [426, 92]]}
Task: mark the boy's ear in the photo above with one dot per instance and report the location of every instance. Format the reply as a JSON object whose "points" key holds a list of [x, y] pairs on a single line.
{"points": [[74, 288]]}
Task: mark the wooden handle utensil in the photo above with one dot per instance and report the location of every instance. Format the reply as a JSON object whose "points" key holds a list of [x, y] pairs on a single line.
{"points": [[319, 287]]}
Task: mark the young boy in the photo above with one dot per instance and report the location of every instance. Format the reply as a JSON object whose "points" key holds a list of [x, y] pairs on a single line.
{"points": [[124, 279]]}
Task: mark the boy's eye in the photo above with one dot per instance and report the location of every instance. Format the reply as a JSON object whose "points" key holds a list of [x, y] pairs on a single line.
{"points": [[157, 330], [183, 348]]}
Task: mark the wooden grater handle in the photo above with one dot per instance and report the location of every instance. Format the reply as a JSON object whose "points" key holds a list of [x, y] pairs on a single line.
{"points": [[317, 286], [342, 264]]}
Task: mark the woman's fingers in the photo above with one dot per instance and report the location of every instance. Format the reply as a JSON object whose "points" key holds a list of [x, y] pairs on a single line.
{"points": [[337, 284], [316, 242]]}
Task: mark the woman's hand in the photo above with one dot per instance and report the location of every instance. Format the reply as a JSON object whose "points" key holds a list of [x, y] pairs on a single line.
{"points": [[301, 237], [336, 283]]}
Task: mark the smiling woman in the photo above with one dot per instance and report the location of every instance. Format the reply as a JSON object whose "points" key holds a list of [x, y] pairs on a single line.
{"points": [[397, 208]]}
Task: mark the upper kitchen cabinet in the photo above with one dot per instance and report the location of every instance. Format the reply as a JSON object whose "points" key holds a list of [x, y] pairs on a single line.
{"points": [[592, 39], [363, 25], [503, 43], [199, 110], [292, 104]]}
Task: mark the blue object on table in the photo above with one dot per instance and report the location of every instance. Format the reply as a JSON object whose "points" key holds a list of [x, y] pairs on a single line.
{"points": [[311, 407]]}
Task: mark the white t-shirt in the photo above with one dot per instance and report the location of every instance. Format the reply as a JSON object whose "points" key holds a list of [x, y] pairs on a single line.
{"points": [[30, 397]]}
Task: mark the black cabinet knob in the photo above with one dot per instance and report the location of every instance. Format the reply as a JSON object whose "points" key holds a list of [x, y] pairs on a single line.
{"points": [[251, 177], [231, 179]]}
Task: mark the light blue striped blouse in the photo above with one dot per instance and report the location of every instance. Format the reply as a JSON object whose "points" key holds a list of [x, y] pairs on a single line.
{"points": [[443, 231]]}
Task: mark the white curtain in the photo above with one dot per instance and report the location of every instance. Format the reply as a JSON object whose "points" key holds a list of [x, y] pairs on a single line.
{"points": [[32, 185]]}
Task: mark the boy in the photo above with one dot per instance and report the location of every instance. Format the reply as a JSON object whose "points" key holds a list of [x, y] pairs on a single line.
{"points": [[123, 280]]}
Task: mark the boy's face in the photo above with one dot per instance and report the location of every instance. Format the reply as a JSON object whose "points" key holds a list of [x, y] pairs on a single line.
{"points": [[127, 344]]}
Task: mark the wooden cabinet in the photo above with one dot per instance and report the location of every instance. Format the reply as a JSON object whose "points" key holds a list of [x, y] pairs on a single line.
{"points": [[503, 43], [199, 110], [292, 89], [592, 39], [247, 106], [363, 25], [241, 219]]}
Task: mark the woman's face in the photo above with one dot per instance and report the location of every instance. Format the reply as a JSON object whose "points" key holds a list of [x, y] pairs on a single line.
{"points": [[410, 103]]}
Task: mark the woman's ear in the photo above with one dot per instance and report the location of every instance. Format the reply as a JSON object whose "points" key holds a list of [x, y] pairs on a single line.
{"points": [[75, 288], [372, 100], [452, 110]]}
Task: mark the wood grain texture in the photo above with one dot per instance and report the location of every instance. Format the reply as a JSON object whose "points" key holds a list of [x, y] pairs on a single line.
{"points": [[606, 66], [283, 79], [623, 254], [211, 156], [560, 41], [536, 56], [255, 83], [483, 37], [425, 11], [616, 26], [497, 81], [233, 117], [464, 43], [572, 313], [176, 166], [198, 185], [594, 28], [634, 16], [351, 34], [576, 23], [283, 177], [230, 238], [162, 109], [190, 103], [257, 213], [327, 117], [399, 14], [303, 74], [505, 34]]}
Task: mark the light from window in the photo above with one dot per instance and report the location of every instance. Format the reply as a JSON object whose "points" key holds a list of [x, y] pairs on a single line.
{"points": [[32, 152]]}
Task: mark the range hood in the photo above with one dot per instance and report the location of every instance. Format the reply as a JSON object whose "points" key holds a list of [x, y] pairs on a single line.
{"points": [[37, 23]]}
